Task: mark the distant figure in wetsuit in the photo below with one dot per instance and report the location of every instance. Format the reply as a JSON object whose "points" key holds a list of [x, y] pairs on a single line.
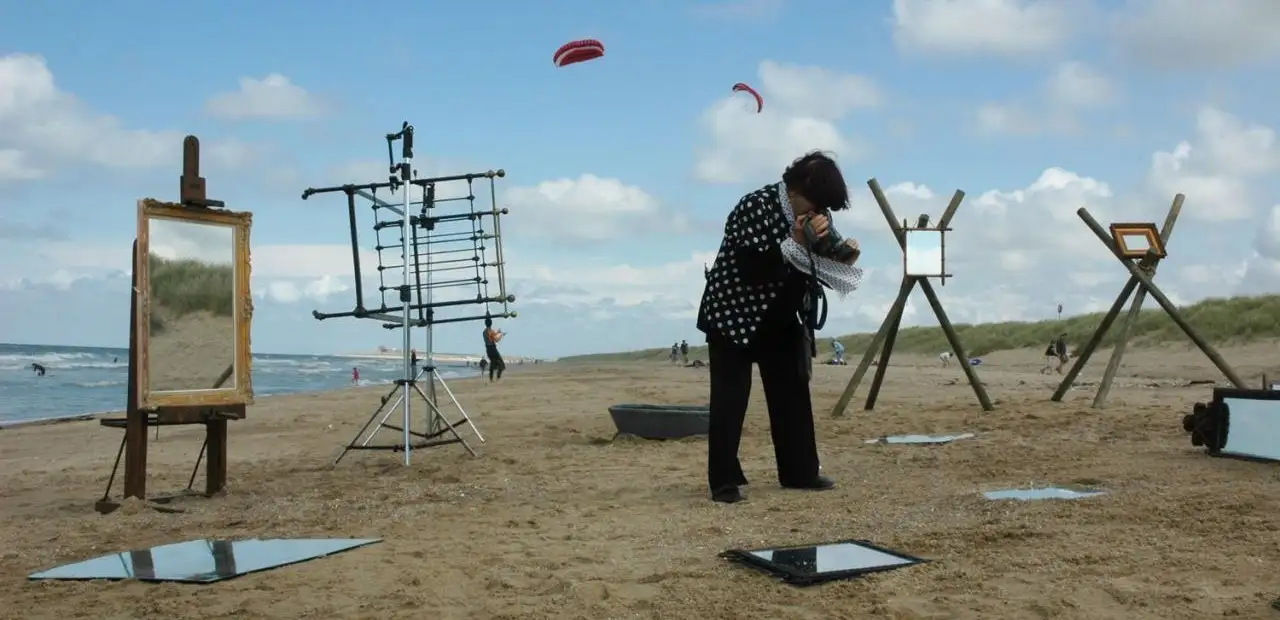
{"points": [[39, 369], [491, 339]]}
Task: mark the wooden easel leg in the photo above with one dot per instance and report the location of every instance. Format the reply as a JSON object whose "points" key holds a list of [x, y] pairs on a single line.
{"points": [[1094, 340], [873, 393], [215, 477], [1117, 353], [956, 346], [873, 347], [135, 432]]}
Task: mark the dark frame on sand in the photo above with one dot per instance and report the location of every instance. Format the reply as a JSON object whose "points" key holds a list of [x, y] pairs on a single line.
{"points": [[1142, 269], [213, 407]]}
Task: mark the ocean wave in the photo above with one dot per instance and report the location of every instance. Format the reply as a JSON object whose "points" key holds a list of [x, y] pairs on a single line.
{"points": [[98, 384]]}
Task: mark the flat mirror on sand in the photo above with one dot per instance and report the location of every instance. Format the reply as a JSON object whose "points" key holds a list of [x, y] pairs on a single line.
{"points": [[924, 253], [919, 440], [1042, 493], [202, 561], [810, 564]]}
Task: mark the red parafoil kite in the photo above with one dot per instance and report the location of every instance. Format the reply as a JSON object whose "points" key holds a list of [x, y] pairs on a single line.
{"points": [[743, 88], [578, 51]]}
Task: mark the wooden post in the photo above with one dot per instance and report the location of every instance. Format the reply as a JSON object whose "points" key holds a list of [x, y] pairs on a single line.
{"points": [[1148, 265], [135, 455], [1164, 302], [888, 331]]}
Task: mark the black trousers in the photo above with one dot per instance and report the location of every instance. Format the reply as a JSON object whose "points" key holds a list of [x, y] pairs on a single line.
{"points": [[779, 349], [496, 365]]}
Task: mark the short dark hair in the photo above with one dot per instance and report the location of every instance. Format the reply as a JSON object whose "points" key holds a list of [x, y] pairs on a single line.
{"points": [[817, 177]]}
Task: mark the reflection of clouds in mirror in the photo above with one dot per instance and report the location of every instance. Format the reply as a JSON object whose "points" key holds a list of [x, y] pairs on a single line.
{"points": [[181, 240], [924, 253], [1136, 242], [192, 304]]}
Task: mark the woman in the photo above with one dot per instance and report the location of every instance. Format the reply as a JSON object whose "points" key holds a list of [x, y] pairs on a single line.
{"points": [[750, 311], [491, 339]]}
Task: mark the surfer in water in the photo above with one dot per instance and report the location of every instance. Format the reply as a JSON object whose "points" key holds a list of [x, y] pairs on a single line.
{"points": [[40, 370]]}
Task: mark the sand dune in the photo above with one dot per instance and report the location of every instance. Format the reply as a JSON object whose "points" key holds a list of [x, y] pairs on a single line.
{"points": [[554, 521]]}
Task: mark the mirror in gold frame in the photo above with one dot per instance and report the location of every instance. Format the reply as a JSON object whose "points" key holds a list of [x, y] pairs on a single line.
{"points": [[194, 306]]}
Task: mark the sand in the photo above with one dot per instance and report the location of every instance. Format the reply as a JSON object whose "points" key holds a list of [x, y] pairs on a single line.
{"points": [[554, 521], [192, 351]]}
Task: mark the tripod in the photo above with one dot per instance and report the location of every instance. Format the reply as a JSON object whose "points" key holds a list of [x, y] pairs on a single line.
{"points": [[419, 266]]}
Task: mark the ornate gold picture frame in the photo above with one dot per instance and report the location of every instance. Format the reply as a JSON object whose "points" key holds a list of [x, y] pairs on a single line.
{"points": [[240, 392], [1134, 239]]}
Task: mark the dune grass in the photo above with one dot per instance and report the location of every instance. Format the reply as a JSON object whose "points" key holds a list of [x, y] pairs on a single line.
{"points": [[182, 287], [1220, 321]]}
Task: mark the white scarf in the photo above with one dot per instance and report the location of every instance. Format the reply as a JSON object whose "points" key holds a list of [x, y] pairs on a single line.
{"points": [[835, 275]]}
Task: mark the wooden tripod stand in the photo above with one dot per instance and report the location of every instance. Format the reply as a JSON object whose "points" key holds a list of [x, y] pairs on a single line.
{"points": [[888, 332], [1141, 271]]}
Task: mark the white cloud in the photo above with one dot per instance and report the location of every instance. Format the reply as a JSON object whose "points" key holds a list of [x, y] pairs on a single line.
{"points": [[802, 111], [586, 209], [983, 27], [44, 129], [179, 240], [1194, 35], [1069, 92], [272, 97], [292, 291], [1214, 171]]}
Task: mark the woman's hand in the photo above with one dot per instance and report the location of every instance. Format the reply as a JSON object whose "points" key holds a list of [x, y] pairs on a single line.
{"points": [[819, 223], [857, 251]]}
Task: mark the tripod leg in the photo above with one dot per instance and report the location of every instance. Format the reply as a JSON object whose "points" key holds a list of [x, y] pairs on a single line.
{"points": [[356, 439], [457, 404], [435, 411], [383, 421]]}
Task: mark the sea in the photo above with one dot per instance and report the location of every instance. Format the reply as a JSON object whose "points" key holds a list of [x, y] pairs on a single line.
{"points": [[87, 380]]}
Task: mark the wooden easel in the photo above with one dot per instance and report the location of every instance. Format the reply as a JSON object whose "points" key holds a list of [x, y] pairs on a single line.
{"points": [[133, 446], [1141, 272], [888, 332]]}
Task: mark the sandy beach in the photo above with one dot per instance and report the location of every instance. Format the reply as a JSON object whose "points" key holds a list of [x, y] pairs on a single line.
{"points": [[555, 521]]}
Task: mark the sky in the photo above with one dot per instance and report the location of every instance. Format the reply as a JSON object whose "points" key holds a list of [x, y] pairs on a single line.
{"points": [[620, 171]]}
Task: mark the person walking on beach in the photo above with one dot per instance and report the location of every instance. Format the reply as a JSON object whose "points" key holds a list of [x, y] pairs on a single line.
{"points": [[684, 352], [762, 280], [491, 339], [675, 352], [355, 376], [839, 348]]}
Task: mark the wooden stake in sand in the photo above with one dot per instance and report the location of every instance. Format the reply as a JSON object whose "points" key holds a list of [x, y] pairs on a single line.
{"points": [[888, 331], [1139, 248]]}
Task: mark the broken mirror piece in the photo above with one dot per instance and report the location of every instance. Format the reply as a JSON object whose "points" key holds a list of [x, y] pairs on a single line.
{"points": [[1043, 493], [819, 563], [203, 561], [919, 440]]}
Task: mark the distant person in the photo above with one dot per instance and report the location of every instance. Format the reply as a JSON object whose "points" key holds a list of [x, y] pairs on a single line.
{"points": [[945, 358], [484, 363], [491, 339], [684, 351], [1060, 351], [40, 370], [355, 376], [413, 360], [115, 360], [839, 349], [675, 352]]}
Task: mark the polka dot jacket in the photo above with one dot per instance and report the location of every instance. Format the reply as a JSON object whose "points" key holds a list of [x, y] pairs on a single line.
{"points": [[749, 271]]}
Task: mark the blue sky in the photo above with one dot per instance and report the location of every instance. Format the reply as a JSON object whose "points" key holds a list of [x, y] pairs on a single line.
{"points": [[621, 170]]}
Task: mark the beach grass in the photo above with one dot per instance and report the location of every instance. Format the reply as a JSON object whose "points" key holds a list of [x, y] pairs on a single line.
{"points": [[1233, 320], [186, 286]]}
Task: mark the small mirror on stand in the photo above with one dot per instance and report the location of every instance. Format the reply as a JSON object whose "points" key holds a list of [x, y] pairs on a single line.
{"points": [[1135, 240], [925, 255]]}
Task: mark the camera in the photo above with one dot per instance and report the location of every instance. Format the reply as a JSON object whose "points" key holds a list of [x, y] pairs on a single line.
{"points": [[831, 246]]}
